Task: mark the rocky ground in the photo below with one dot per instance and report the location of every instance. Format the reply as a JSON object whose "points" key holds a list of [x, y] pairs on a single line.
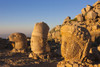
{"points": [[22, 60], [89, 19], [8, 59]]}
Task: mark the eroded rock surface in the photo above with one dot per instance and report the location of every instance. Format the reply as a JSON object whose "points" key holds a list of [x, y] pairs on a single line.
{"points": [[20, 42], [91, 23], [75, 43], [55, 34], [39, 45]]}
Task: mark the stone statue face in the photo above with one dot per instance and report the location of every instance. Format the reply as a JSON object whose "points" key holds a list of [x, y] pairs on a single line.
{"points": [[74, 41]]}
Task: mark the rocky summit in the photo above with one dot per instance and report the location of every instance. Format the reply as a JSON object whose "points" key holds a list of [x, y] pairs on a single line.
{"points": [[83, 32], [75, 43]]}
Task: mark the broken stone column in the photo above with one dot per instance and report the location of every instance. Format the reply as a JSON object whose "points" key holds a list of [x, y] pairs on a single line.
{"points": [[39, 45], [20, 42], [75, 44]]}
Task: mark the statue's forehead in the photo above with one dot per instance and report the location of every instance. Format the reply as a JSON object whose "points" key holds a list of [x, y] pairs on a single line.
{"points": [[16, 34]]}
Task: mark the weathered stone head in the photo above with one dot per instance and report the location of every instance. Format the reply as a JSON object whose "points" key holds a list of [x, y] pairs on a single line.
{"points": [[39, 39], [75, 43], [20, 41], [41, 29]]}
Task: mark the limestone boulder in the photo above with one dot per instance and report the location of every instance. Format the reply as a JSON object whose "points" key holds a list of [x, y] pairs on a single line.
{"points": [[49, 35], [55, 34], [75, 43], [94, 31], [95, 4], [58, 27], [20, 42], [80, 17], [91, 15], [88, 8], [83, 11], [97, 11], [67, 20], [98, 6]]}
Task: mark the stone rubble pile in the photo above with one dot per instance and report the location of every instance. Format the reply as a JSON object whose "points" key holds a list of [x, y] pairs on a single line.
{"points": [[81, 39]]}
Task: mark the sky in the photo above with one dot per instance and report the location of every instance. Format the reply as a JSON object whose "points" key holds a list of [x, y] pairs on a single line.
{"points": [[22, 15]]}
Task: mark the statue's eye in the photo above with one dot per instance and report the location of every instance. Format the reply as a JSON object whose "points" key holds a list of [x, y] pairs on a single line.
{"points": [[14, 36]]}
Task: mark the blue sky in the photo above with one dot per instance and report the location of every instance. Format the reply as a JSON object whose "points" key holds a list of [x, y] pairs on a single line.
{"points": [[21, 15]]}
